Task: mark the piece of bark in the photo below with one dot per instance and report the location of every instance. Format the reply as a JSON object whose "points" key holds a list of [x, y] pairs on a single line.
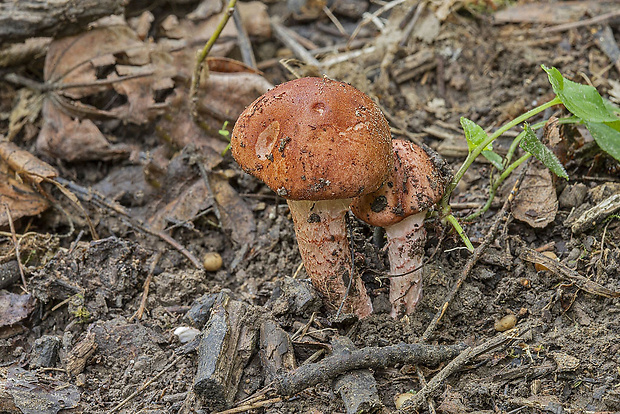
{"points": [[22, 392], [372, 357], [45, 352], [77, 358], [276, 350], [200, 310], [9, 273], [23, 19], [358, 389], [597, 214], [228, 341]]}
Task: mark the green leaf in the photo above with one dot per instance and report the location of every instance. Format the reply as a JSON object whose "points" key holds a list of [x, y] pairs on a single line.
{"points": [[474, 134], [532, 144], [582, 100], [494, 158], [607, 136]]}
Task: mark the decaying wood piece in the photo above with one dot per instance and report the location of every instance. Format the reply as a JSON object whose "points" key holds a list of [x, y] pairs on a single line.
{"points": [[372, 357], [77, 358], [228, 341], [597, 214], [358, 389], [276, 350], [22, 19]]}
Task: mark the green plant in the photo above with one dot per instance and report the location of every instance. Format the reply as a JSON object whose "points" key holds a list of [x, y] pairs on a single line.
{"points": [[583, 101]]}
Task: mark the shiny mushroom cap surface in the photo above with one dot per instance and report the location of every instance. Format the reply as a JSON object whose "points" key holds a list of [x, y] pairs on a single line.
{"points": [[314, 139], [417, 182]]}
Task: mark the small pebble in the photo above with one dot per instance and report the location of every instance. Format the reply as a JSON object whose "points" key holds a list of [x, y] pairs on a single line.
{"points": [[507, 322], [186, 334], [400, 399], [212, 262], [539, 266]]}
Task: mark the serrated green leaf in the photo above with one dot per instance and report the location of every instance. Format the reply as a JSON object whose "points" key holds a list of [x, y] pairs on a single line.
{"points": [[582, 100], [494, 158], [607, 136], [474, 134], [532, 144]]}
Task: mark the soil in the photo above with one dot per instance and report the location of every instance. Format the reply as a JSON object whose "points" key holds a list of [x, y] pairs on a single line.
{"points": [[86, 292]]}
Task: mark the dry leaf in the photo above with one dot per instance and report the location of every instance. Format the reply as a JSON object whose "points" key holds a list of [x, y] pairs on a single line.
{"points": [[22, 200], [26, 164], [237, 218], [74, 139], [536, 203], [14, 308], [185, 207]]}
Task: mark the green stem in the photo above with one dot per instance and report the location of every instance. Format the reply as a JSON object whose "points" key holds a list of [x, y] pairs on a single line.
{"points": [[445, 201], [457, 226], [496, 185], [200, 58]]}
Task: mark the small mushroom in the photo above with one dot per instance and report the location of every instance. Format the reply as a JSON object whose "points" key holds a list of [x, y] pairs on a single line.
{"points": [[400, 205], [318, 143]]}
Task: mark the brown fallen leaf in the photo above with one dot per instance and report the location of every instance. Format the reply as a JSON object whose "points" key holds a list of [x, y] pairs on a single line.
{"points": [[106, 73], [25, 164], [191, 201], [552, 13], [20, 198], [73, 139], [14, 308], [237, 218], [536, 203]]}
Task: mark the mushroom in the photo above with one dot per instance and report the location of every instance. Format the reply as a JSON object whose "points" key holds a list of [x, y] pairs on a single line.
{"points": [[400, 205], [318, 143]]}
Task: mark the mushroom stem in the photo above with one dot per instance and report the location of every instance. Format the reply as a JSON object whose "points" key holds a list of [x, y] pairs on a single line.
{"points": [[324, 247], [406, 251]]}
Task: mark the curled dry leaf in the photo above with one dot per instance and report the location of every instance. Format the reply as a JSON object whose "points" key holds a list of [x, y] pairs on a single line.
{"points": [[20, 198], [73, 139], [536, 203], [14, 308], [25, 164]]}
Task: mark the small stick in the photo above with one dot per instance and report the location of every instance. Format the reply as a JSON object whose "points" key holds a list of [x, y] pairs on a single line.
{"points": [[147, 283], [371, 357], [245, 46], [335, 21], [202, 55], [586, 22], [474, 259], [149, 382], [93, 197], [415, 403], [561, 270], [282, 34], [248, 407], [370, 17], [409, 28], [16, 244]]}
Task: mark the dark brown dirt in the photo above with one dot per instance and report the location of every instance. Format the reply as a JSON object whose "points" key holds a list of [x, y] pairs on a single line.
{"points": [[87, 292]]}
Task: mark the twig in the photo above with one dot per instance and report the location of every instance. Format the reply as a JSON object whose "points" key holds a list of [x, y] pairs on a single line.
{"points": [[248, 407], [409, 28], [564, 272], [335, 21], [142, 388], [91, 196], [282, 34], [586, 22], [202, 55], [16, 244], [245, 46], [370, 17], [147, 283], [371, 357], [415, 403], [473, 259]]}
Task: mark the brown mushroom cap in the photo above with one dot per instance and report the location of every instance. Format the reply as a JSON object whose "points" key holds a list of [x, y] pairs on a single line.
{"points": [[417, 182], [314, 139]]}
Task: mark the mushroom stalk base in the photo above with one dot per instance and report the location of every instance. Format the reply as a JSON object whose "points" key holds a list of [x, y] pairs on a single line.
{"points": [[323, 243], [406, 251]]}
